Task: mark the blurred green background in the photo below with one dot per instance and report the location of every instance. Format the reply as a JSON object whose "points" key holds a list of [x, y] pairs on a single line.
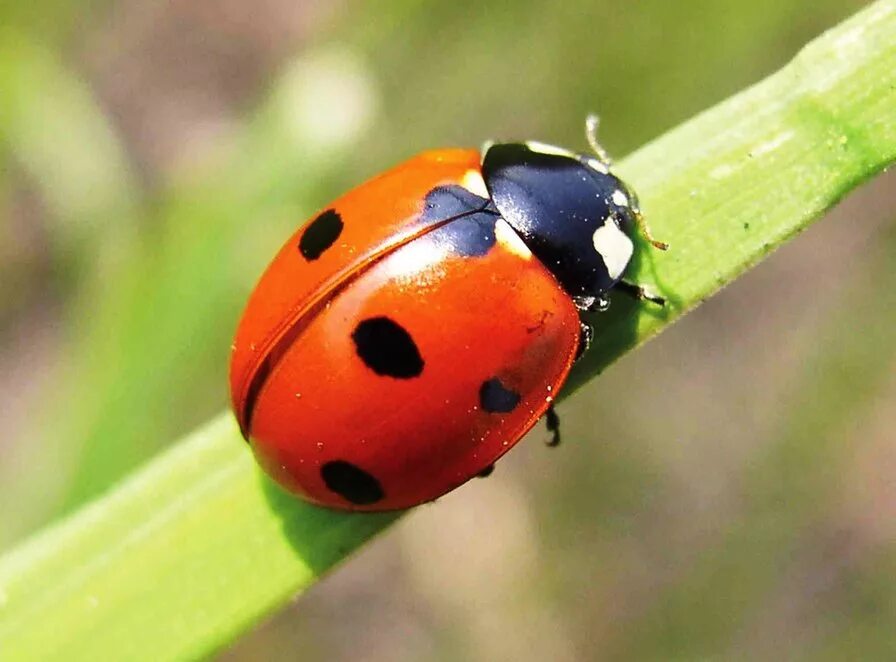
{"points": [[725, 492]]}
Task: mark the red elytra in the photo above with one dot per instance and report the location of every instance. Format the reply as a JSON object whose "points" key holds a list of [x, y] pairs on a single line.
{"points": [[326, 425], [414, 330]]}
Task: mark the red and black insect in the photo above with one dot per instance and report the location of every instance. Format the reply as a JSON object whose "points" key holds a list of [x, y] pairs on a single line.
{"points": [[412, 332]]}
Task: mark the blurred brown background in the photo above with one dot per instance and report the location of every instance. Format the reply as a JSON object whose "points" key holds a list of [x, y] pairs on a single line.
{"points": [[725, 492]]}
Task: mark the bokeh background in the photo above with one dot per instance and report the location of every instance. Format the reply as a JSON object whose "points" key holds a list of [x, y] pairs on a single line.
{"points": [[725, 492]]}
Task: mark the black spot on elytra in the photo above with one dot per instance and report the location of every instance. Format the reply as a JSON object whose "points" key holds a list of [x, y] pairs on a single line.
{"points": [[351, 483], [387, 348], [496, 398], [444, 202], [470, 236], [472, 232], [320, 234]]}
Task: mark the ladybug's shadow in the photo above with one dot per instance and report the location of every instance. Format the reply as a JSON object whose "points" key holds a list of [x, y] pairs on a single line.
{"points": [[321, 537]]}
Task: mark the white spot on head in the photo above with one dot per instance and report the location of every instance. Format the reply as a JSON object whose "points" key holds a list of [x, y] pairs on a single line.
{"points": [[509, 239], [473, 182], [544, 148], [614, 246], [620, 199]]}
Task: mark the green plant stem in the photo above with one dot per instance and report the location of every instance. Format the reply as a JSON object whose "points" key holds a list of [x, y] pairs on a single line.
{"points": [[195, 548]]}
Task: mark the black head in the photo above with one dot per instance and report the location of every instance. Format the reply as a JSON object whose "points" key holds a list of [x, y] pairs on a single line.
{"points": [[571, 212]]}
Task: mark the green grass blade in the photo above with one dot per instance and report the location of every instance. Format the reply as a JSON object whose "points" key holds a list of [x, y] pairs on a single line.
{"points": [[177, 561], [188, 553]]}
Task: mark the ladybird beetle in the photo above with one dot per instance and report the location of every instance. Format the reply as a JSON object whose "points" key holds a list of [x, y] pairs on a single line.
{"points": [[415, 329]]}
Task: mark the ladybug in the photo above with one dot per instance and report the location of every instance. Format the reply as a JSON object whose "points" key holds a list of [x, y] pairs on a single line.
{"points": [[416, 328]]}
